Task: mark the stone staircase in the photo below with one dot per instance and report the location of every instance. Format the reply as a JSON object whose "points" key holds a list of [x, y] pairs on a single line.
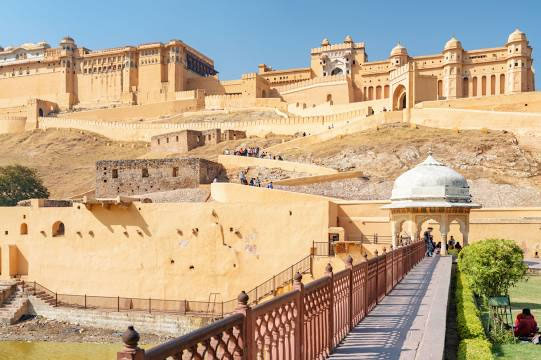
{"points": [[13, 304]]}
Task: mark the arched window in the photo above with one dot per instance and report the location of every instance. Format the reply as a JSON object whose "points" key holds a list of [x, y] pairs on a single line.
{"points": [[484, 85], [58, 229], [465, 90], [24, 229], [336, 71]]}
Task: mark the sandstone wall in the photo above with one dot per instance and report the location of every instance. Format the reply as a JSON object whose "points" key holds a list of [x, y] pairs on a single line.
{"points": [[232, 161], [136, 177], [136, 112], [164, 251]]}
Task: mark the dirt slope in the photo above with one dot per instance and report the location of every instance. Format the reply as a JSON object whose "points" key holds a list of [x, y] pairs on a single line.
{"points": [[65, 159]]}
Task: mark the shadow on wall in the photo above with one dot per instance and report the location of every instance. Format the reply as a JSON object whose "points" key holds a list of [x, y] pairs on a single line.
{"points": [[124, 217]]}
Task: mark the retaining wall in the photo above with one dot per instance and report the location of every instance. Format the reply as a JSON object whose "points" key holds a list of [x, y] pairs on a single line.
{"points": [[150, 323], [233, 161]]}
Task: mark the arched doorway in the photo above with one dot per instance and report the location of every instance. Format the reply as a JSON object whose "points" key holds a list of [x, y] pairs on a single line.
{"points": [[399, 98], [40, 112]]}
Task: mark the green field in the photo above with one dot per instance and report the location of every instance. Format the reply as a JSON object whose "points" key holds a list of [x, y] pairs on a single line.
{"points": [[527, 294]]}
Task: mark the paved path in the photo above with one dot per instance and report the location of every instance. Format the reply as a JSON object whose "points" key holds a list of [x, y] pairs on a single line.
{"points": [[409, 323]]}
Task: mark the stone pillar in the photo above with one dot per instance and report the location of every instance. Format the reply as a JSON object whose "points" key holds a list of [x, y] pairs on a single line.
{"points": [[443, 250], [394, 233]]}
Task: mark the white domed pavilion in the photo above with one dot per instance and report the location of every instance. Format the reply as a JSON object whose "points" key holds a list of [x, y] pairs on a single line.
{"points": [[430, 191]]}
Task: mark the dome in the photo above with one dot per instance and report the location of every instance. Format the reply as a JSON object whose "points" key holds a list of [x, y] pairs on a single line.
{"points": [[67, 39], [325, 42], [516, 35], [431, 184], [348, 39], [453, 43], [399, 50]]}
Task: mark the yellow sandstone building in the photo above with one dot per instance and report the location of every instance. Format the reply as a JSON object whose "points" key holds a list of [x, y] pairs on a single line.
{"points": [[70, 75]]}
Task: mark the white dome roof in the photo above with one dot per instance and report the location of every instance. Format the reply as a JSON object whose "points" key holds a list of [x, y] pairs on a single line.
{"points": [[452, 43], [431, 184], [399, 49], [516, 35]]}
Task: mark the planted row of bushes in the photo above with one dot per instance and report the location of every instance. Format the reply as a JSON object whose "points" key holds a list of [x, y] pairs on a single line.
{"points": [[473, 341]]}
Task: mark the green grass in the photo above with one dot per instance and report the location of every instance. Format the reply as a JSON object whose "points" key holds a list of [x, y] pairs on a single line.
{"points": [[527, 294], [516, 351]]}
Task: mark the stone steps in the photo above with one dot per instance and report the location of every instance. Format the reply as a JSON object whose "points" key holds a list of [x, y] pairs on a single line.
{"points": [[13, 307]]}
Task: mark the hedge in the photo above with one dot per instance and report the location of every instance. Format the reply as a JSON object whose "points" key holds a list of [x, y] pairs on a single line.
{"points": [[474, 349], [469, 323]]}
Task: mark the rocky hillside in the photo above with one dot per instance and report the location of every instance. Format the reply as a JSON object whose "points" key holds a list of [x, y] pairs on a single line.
{"points": [[501, 170]]}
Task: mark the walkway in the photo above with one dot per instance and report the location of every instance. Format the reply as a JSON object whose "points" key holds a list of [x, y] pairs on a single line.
{"points": [[409, 323]]}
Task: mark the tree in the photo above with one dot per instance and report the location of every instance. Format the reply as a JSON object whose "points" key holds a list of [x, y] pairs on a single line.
{"points": [[493, 266], [20, 183]]}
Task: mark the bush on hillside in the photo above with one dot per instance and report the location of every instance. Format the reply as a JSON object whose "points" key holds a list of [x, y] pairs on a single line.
{"points": [[20, 183], [469, 323], [474, 349], [492, 266]]}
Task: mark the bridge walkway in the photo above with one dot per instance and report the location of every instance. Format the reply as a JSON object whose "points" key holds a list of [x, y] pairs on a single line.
{"points": [[409, 323]]}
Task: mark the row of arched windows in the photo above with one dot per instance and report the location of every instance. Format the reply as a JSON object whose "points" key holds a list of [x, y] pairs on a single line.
{"points": [[475, 87], [58, 229], [381, 92]]}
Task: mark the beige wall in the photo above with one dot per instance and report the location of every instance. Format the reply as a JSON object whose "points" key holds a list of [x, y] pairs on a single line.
{"points": [[134, 252], [232, 161]]}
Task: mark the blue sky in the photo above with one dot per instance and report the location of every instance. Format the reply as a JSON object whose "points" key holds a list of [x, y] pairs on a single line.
{"points": [[239, 35]]}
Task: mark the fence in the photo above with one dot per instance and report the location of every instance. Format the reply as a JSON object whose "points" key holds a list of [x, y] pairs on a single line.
{"points": [[306, 323], [182, 307], [323, 248]]}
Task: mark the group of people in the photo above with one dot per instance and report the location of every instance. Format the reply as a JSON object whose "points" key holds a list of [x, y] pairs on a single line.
{"points": [[253, 181], [252, 152], [432, 247]]}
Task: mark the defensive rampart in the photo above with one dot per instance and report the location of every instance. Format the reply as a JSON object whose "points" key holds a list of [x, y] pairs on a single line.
{"points": [[123, 131], [233, 161], [12, 124], [522, 123]]}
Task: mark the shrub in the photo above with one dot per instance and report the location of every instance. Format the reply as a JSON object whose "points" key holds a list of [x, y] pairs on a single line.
{"points": [[469, 323], [474, 349], [501, 336], [20, 183], [492, 266]]}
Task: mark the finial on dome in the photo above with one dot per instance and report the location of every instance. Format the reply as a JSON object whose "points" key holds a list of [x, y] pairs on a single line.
{"points": [[348, 39], [325, 42]]}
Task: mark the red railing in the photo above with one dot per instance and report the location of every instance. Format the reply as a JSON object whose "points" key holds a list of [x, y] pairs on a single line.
{"points": [[306, 323]]}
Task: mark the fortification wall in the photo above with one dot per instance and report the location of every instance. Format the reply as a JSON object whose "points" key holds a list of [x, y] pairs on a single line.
{"points": [[313, 93], [136, 112], [232, 162], [136, 252], [521, 123], [523, 102], [12, 124], [123, 131]]}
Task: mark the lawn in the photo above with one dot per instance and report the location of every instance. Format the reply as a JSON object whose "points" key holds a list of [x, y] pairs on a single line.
{"points": [[527, 294]]}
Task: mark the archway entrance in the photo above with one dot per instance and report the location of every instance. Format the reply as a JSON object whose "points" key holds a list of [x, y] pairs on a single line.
{"points": [[399, 98]]}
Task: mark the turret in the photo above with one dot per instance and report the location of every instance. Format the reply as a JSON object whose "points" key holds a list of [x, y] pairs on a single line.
{"points": [[399, 55], [452, 69], [67, 43], [519, 76]]}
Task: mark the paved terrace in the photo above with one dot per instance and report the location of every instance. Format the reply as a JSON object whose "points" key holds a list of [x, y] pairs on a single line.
{"points": [[409, 323]]}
